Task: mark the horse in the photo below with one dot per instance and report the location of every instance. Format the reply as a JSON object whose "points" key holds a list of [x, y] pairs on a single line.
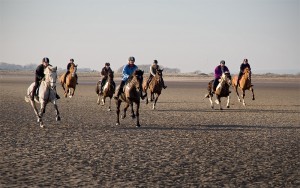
{"points": [[245, 84], [132, 94], [108, 90], [46, 93], [155, 87], [222, 90], [69, 85]]}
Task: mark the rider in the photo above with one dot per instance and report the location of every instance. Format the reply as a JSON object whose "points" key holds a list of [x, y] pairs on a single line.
{"points": [[68, 70], [39, 75], [219, 70], [153, 68], [244, 65], [127, 71], [104, 73]]}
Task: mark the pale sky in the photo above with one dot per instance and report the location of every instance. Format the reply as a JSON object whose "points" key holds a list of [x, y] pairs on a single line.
{"points": [[186, 34]]}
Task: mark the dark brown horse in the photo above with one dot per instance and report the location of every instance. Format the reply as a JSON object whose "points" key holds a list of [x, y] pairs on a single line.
{"points": [[108, 90], [69, 85], [222, 90], [155, 87], [245, 84], [132, 94]]}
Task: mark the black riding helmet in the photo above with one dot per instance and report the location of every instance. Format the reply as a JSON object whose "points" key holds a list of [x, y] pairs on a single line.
{"points": [[107, 64], [131, 58], [155, 61], [46, 60]]}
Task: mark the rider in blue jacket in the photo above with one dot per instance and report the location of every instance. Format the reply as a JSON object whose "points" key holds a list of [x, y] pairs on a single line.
{"points": [[127, 71]]}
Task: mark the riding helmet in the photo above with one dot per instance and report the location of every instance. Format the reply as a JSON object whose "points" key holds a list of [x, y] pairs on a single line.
{"points": [[72, 60], [46, 60], [131, 58], [222, 62], [107, 64], [155, 61]]}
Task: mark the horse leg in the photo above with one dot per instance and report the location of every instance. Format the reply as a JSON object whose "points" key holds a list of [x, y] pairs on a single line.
{"points": [[228, 100], [57, 118], [218, 101], [39, 118], [154, 104], [98, 100], [137, 114], [237, 93], [124, 110], [103, 100], [211, 101], [118, 104], [132, 112], [42, 111], [252, 90], [66, 91], [244, 98], [109, 109]]}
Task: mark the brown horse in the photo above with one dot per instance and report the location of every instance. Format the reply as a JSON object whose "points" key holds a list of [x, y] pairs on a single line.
{"points": [[108, 90], [222, 90], [245, 84], [69, 85], [132, 94], [155, 87]]}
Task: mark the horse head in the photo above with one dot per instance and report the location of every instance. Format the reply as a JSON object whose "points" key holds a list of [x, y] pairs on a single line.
{"points": [[50, 76], [247, 73], [138, 75], [110, 76], [226, 78]]}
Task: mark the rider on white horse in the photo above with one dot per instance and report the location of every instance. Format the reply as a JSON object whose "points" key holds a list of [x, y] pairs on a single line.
{"points": [[39, 75]]}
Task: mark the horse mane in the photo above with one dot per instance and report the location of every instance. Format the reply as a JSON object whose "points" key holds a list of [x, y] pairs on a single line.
{"points": [[136, 72]]}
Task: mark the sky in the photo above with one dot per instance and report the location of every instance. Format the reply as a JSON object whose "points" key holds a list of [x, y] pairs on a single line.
{"points": [[191, 35]]}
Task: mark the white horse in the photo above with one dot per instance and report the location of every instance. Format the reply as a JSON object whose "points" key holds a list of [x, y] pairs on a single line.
{"points": [[47, 93]]}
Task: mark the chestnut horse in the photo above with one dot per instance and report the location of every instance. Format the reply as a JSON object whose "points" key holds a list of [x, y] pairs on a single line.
{"points": [[222, 90], [245, 84], [69, 85], [108, 90], [155, 87], [132, 94], [46, 93]]}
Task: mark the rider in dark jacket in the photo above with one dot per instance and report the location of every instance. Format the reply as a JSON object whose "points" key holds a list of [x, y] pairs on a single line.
{"points": [[104, 73], [68, 70], [39, 75], [244, 65]]}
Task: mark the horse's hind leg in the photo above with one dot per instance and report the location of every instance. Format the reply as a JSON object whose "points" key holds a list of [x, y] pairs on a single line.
{"points": [[244, 98], [237, 93], [154, 104], [109, 107]]}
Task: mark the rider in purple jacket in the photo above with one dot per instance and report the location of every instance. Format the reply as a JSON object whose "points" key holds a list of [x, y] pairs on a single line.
{"points": [[219, 70]]}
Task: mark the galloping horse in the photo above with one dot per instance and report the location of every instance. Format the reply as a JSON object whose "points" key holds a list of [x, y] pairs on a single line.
{"points": [[69, 85], [245, 84], [155, 87], [108, 90], [47, 93], [132, 93], [222, 90]]}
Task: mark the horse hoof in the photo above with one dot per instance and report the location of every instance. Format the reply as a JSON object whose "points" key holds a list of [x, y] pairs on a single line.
{"points": [[58, 118], [138, 125], [117, 123], [123, 117], [132, 116], [228, 106], [109, 110], [41, 125]]}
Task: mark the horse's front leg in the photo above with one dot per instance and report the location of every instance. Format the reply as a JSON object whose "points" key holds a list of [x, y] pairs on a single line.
{"points": [[218, 101], [118, 104], [57, 117], [103, 100], [99, 98], [228, 101], [109, 107], [237, 93], [66, 91], [42, 111], [124, 110], [138, 114], [211, 101], [252, 90], [39, 119], [154, 104], [244, 98], [132, 112]]}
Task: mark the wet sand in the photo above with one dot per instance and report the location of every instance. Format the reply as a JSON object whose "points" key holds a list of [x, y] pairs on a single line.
{"points": [[183, 143]]}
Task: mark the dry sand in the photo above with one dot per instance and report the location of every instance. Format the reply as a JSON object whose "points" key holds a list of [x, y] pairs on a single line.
{"points": [[181, 144]]}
